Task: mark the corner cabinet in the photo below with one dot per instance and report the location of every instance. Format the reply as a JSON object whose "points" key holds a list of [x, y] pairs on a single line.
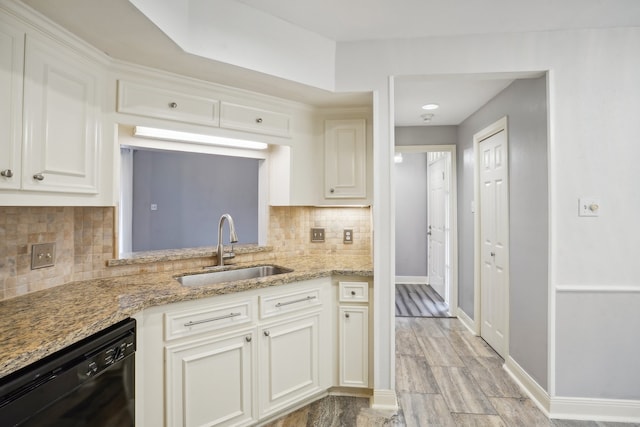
{"points": [[50, 119], [345, 159], [61, 119]]}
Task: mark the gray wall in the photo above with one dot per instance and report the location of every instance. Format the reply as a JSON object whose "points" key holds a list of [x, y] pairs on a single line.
{"points": [[192, 191], [525, 104], [411, 196], [426, 135], [411, 215]]}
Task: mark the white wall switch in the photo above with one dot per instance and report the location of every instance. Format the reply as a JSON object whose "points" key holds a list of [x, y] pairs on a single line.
{"points": [[317, 234], [588, 206]]}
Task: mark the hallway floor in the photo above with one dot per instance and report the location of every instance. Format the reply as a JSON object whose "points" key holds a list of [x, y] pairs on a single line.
{"points": [[445, 376]]}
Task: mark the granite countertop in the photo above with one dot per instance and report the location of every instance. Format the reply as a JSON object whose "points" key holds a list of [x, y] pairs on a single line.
{"points": [[36, 325]]}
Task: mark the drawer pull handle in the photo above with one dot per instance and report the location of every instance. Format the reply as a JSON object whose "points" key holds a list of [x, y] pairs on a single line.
{"points": [[173, 105], [213, 319], [280, 304], [259, 120]]}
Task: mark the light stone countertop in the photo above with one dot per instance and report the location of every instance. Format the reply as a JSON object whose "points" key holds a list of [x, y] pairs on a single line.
{"points": [[36, 325]]}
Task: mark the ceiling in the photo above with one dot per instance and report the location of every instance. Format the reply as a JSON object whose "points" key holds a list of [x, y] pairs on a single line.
{"points": [[117, 28]]}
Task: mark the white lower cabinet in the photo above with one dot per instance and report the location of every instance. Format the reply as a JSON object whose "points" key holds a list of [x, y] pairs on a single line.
{"points": [[209, 382], [288, 362], [354, 346], [235, 360], [353, 334]]}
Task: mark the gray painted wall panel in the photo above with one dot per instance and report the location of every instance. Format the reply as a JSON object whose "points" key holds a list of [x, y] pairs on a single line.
{"points": [[592, 334], [525, 104], [192, 191]]}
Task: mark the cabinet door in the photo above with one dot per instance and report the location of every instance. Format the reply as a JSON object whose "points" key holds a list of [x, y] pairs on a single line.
{"points": [[345, 159], [288, 363], [256, 120], [354, 346], [61, 119], [11, 70], [209, 382]]}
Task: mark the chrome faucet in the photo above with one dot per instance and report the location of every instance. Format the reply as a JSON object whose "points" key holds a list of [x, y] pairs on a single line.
{"points": [[233, 238]]}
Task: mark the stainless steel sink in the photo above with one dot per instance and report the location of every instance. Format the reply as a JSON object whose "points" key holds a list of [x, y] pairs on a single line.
{"points": [[200, 279]]}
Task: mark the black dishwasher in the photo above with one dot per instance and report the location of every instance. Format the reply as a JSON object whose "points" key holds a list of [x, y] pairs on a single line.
{"points": [[90, 383]]}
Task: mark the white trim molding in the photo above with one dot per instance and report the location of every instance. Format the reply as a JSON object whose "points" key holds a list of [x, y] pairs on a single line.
{"points": [[580, 408], [384, 400], [573, 408], [538, 395], [419, 280], [598, 288], [468, 322]]}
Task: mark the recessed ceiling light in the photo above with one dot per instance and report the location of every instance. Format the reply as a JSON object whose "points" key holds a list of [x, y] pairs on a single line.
{"points": [[430, 107]]}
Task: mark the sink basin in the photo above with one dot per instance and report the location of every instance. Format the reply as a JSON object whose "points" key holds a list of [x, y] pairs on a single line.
{"points": [[201, 279]]}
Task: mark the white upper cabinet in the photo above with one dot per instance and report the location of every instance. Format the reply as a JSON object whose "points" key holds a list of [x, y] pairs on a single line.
{"points": [[256, 120], [345, 161], [11, 72], [151, 101], [61, 119]]}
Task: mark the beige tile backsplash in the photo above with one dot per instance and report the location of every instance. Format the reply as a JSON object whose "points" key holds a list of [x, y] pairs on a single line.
{"points": [[85, 240]]}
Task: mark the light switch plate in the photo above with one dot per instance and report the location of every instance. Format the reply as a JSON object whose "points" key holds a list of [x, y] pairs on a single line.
{"points": [[43, 255], [588, 206], [317, 234]]}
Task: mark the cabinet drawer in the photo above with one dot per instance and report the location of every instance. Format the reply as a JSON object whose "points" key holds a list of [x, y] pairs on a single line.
{"points": [[292, 301], [240, 117], [354, 291], [134, 98], [190, 322]]}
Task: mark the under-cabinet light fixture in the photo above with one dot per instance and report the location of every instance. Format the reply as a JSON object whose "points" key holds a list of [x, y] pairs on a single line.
{"points": [[174, 135]]}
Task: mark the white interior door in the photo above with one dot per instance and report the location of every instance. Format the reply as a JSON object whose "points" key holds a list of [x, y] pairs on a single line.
{"points": [[494, 240], [437, 222]]}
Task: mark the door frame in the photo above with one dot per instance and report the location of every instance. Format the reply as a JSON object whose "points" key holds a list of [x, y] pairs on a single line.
{"points": [[453, 214], [492, 129]]}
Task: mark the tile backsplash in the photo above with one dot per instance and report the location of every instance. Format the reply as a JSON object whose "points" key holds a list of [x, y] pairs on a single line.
{"points": [[85, 239]]}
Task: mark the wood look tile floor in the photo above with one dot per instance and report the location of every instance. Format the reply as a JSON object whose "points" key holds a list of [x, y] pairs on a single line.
{"points": [[445, 376]]}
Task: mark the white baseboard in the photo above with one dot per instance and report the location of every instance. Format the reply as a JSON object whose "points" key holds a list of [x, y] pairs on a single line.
{"points": [[384, 400], [466, 321], [579, 408], [413, 280], [538, 395]]}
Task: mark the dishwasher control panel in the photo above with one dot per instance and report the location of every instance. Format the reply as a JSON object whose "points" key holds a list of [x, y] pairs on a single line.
{"points": [[106, 356]]}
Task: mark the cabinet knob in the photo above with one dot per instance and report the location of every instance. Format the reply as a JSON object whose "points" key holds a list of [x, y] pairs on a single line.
{"points": [[38, 177], [173, 105], [346, 315], [248, 338], [266, 333], [332, 190], [259, 120], [7, 173], [353, 293]]}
